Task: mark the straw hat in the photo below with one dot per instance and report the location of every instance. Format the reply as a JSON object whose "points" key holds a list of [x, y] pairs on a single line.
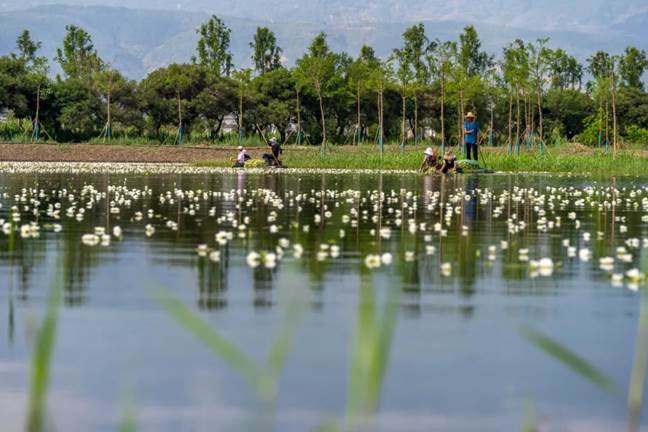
{"points": [[470, 114], [240, 148], [429, 151]]}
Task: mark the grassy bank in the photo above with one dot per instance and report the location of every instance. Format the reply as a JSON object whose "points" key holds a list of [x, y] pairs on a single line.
{"points": [[571, 158]]}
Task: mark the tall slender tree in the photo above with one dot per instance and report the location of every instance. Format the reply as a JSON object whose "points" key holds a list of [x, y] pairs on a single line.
{"points": [[316, 70], [213, 47], [266, 55], [78, 57]]}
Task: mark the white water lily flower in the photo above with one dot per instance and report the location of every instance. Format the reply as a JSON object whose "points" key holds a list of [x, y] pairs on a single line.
{"points": [[410, 256], [214, 256], [634, 275], [253, 259], [90, 239], [386, 258], [284, 243], [335, 251], [585, 254], [372, 261], [446, 269], [117, 231]]}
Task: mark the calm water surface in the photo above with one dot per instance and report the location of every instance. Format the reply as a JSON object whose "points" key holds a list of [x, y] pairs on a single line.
{"points": [[458, 360]]}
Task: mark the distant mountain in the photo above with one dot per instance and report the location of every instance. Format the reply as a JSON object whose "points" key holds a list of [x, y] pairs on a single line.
{"points": [[137, 41], [573, 15]]}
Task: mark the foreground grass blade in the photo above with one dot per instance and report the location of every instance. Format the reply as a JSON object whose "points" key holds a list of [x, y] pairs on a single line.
{"points": [[571, 360], [372, 346], [638, 377], [42, 359], [223, 349]]}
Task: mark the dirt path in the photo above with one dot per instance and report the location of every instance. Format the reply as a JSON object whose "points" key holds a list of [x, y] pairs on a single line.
{"points": [[114, 153]]}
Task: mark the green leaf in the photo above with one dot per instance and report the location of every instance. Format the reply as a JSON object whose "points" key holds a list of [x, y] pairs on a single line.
{"points": [[223, 349], [571, 360]]}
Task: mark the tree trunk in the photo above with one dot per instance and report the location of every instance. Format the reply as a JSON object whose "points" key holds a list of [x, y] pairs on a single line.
{"points": [[614, 118], [607, 122], [403, 127], [109, 116], [443, 114], [540, 118], [510, 121], [35, 134], [517, 128], [415, 118], [298, 141], [358, 132], [461, 117], [323, 117]]}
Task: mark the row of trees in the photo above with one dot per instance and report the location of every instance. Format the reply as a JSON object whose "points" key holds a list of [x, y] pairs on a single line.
{"points": [[531, 94]]}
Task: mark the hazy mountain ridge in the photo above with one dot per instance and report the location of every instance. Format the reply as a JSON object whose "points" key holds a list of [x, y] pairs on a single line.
{"points": [[137, 41], [575, 15]]}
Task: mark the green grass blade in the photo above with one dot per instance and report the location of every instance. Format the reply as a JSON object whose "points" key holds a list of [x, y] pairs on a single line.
{"points": [[640, 362], [42, 359], [221, 347], [284, 341], [570, 359], [380, 359], [362, 354]]}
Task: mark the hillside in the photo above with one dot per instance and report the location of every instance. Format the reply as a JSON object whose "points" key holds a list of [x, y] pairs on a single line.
{"points": [[137, 41]]}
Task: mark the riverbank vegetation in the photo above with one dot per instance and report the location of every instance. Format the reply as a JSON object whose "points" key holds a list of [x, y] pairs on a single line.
{"points": [[528, 96]]}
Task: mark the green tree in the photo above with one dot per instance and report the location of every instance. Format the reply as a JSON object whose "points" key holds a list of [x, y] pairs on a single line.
{"points": [[416, 46], [440, 59], [275, 101], [27, 47], [472, 60], [37, 71], [214, 101], [266, 55], [471, 65], [540, 63], [78, 57], [214, 46], [632, 65], [380, 80], [113, 89], [565, 72], [405, 78], [168, 95], [515, 68], [359, 74], [316, 70], [243, 80]]}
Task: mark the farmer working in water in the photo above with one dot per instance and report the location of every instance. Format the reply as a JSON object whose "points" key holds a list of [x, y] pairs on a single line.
{"points": [[449, 162], [471, 135], [241, 158], [273, 158], [431, 161]]}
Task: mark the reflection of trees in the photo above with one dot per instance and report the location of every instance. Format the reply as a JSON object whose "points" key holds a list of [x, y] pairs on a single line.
{"points": [[212, 282]]}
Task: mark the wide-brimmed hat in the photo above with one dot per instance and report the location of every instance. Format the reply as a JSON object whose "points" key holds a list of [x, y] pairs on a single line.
{"points": [[470, 114], [429, 151], [239, 148]]}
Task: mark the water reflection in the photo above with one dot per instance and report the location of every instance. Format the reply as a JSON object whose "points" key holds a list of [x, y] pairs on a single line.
{"points": [[469, 222]]}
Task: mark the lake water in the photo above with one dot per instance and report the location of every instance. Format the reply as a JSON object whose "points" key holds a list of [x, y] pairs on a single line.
{"points": [[458, 359]]}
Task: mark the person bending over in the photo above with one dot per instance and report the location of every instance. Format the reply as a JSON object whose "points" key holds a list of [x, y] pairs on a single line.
{"points": [[273, 158]]}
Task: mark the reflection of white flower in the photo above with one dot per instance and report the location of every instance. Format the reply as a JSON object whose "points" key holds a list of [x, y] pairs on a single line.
{"points": [[409, 256], [253, 259], [214, 256], [446, 269], [372, 261]]}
